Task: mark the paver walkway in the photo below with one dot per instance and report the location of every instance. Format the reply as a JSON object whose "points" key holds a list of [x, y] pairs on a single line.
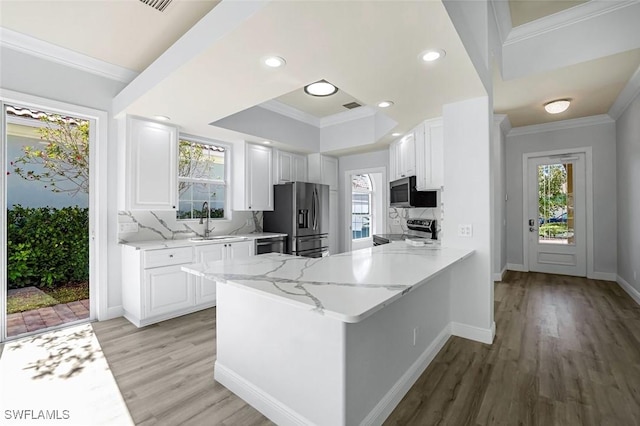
{"points": [[38, 319]]}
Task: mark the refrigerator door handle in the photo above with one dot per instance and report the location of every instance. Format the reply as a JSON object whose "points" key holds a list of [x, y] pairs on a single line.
{"points": [[316, 202]]}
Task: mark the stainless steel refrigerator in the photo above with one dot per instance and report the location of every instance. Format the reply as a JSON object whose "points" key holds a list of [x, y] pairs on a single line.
{"points": [[301, 210]]}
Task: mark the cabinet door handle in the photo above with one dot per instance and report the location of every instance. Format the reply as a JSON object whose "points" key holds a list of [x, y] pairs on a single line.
{"points": [[170, 255]]}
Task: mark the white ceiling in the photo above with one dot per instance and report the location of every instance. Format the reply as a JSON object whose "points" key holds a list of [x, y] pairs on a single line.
{"points": [[368, 49]]}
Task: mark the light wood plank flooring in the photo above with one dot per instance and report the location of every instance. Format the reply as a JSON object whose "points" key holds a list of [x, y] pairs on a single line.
{"points": [[567, 352]]}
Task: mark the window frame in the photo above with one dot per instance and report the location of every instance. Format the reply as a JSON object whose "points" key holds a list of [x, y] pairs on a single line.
{"points": [[227, 176], [370, 193]]}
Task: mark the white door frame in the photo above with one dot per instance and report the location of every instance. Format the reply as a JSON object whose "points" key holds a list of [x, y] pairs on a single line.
{"points": [[347, 199], [98, 178], [589, 201]]}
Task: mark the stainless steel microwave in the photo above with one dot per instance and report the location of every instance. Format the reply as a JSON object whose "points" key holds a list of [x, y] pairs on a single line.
{"points": [[403, 193]]}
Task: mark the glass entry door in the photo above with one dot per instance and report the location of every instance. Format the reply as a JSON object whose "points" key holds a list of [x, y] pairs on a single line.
{"points": [[556, 220], [46, 192]]}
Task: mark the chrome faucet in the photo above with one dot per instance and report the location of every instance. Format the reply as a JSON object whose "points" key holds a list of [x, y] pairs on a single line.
{"points": [[205, 205]]}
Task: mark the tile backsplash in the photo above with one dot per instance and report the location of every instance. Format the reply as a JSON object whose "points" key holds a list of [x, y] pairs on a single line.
{"points": [[397, 221], [163, 225]]}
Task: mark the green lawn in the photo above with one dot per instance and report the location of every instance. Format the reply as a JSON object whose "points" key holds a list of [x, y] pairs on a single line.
{"points": [[49, 297]]}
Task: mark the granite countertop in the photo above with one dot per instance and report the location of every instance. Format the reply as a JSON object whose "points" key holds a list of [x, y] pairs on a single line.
{"points": [[348, 286], [186, 242]]}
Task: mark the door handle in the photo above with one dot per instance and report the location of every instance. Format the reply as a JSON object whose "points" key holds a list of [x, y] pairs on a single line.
{"points": [[532, 229]]}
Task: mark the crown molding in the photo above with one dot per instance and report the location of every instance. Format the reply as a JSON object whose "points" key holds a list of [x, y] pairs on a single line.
{"points": [[502, 15], [503, 121], [50, 52], [291, 112], [626, 96], [564, 18], [345, 116], [561, 125]]}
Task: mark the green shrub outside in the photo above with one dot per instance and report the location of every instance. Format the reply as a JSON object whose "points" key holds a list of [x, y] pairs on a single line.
{"points": [[46, 246], [552, 229]]}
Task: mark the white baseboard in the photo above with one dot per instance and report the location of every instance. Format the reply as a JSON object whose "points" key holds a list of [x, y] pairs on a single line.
{"points": [[604, 276], [516, 267], [114, 312], [498, 275], [272, 408], [635, 294], [482, 335], [388, 403]]}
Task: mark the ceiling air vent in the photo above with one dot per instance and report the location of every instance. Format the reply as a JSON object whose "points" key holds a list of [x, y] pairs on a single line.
{"points": [[352, 105], [160, 5]]}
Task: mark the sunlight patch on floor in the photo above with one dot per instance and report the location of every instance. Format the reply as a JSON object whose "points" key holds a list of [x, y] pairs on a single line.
{"points": [[59, 377]]}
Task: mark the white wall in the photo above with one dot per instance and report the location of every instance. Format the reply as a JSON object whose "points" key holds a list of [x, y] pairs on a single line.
{"points": [[498, 193], [356, 162], [601, 137], [628, 178], [31, 75], [466, 198]]}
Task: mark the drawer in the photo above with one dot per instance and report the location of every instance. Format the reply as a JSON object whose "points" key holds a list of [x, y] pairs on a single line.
{"points": [[167, 257]]}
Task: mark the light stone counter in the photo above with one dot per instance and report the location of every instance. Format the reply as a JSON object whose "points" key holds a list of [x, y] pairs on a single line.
{"points": [[186, 242], [347, 286]]}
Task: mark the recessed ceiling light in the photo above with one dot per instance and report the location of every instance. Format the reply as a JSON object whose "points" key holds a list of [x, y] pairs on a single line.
{"points": [[396, 134], [274, 61], [266, 142], [557, 106], [161, 117], [432, 55], [320, 88], [385, 104]]}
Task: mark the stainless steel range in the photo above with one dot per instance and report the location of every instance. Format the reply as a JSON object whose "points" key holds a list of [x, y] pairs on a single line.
{"points": [[419, 229]]}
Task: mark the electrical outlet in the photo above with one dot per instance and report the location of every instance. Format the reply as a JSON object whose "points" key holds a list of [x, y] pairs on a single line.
{"points": [[465, 230], [128, 227]]}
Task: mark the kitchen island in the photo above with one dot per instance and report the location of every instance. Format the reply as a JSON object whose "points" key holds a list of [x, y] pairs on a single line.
{"points": [[336, 340]]}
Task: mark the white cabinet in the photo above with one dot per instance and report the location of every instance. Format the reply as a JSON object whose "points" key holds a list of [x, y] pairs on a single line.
{"points": [[430, 156], [323, 169], [333, 222], [403, 156], [149, 165], [252, 177], [167, 289], [290, 167], [154, 287], [205, 292]]}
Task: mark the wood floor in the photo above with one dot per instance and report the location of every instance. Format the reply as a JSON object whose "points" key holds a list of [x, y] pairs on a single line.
{"points": [[567, 352]]}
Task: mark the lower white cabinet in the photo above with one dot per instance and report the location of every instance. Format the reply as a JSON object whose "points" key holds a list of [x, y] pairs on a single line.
{"points": [[154, 287], [206, 289], [167, 289]]}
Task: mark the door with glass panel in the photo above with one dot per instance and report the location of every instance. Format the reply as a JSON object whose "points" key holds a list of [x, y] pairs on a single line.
{"points": [[556, 221]]}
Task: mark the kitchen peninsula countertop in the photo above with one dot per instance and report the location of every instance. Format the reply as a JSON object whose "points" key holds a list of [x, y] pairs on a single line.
{"points": [[186, 242], [348, 286]]}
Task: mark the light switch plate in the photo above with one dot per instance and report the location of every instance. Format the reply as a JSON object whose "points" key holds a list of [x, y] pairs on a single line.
{"points": [[128, 227], [465, 230]]}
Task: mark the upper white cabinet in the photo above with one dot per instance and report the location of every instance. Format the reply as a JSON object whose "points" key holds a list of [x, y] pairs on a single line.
{"points": [[323, 169], [420, 153], [290, 167], [150, 163], [430, 156], [403, 156], [252, 177]]}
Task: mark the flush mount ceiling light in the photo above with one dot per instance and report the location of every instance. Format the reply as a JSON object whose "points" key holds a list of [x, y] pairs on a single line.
{"points": [[431, 55], [266, 142], [161, 117], [385, 104], [320, 88], [396, 134], [274, 61], [557, 106]]}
